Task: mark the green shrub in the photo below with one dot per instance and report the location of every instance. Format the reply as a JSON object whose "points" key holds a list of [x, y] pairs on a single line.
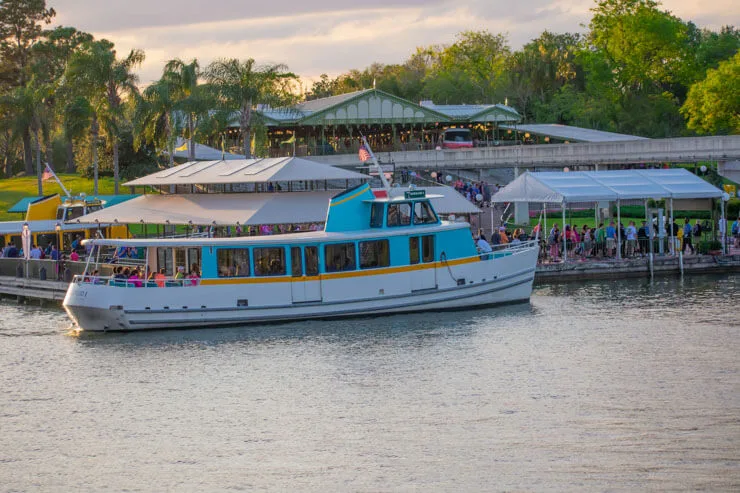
{"points": [[705, 247]]}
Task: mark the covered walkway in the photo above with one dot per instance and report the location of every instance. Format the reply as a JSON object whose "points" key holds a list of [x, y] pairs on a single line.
{"points": [[599, 189]]}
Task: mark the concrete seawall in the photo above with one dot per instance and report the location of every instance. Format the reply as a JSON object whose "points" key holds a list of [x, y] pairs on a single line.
{"points": [[639, 267]]}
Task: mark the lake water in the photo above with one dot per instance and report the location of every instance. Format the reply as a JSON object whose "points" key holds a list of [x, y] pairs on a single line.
{"points": [[616, 385]]}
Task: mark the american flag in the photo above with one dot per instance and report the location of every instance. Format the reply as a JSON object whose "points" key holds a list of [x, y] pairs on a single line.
{"points": [[364, 154], [47, 173]]}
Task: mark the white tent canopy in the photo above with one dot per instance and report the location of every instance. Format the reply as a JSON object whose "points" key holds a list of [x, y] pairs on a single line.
{"points": [[238, 171], [246, 208], [221, 209], [593, 186], [203, 152]]}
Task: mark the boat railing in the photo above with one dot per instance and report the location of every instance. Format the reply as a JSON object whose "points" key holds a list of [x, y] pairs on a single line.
{"points": [[507, 249], [168, 282]]}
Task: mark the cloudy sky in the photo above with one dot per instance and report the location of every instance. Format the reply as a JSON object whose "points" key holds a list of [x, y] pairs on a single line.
{"points": [[330, 36]]}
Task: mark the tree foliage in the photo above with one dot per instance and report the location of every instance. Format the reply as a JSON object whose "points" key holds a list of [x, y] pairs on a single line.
{"points": [[713, 105], [637, 69]]}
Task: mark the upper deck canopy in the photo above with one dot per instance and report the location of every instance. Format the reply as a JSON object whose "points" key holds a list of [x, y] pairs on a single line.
{"points": [[593, 186], [235, 171], [219, 209], [246, 208]]}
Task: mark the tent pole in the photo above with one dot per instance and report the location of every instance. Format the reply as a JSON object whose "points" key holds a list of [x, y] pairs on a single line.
{"points": [[670, 235], [619, 231], [545, 232], [723, 226], [562, 232], [491, 209]]}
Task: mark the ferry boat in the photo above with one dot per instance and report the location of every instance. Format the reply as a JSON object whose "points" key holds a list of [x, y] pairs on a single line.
{"points": [[51, 220], [376, 255]]}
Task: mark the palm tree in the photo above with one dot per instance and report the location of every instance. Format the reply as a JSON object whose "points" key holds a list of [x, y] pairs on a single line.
{"points": [[241, 86], [153, 117], [103, 80], [77, 120], [25, 105], [192, 99]]}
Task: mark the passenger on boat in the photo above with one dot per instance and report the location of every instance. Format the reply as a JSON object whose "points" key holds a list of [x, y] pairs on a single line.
{"points": [[135, 279], [194, 275], [483, 245], [74, 257]]}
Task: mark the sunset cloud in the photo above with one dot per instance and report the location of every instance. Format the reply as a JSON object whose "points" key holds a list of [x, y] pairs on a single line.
{"points": [[330, 36]]}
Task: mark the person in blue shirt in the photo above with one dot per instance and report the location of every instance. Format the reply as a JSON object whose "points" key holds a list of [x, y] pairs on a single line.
{"points": [[687, 230], [611, 240]]}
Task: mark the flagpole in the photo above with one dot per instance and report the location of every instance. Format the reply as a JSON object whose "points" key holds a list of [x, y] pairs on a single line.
{"points": [[48, 168], [383, 179]]}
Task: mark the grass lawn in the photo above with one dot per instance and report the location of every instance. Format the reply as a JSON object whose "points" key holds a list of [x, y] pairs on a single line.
{"points": [[14, 189]]}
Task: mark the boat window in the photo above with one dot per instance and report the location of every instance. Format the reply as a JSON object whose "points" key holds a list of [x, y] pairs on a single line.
{"points": [[295, 262], [164, 261], [399, 214], [233, 262], [376, 215], [181, 260], [269, 261], [93, 208], [340, 257], [74, 212], [414, 250], [60, 213], [427, 248], [312, 260], [423, 213], [374, 254]]}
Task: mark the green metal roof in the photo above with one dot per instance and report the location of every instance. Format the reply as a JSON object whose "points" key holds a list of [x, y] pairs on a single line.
{"points": [[360, 107]]}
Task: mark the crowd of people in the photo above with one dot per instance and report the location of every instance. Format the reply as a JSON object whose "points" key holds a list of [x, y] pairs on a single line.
{"points": [[633, 241], [479, 193]]}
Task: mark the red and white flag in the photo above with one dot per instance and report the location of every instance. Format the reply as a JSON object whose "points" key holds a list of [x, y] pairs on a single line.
{"points": [[364, 154], [48, 173]]}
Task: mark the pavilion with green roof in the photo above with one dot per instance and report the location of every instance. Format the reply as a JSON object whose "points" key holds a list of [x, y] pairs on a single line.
{"points": [[335, 124]]}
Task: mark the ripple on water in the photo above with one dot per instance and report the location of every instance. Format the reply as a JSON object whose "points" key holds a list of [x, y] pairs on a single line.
{"points": [[618, 385]]}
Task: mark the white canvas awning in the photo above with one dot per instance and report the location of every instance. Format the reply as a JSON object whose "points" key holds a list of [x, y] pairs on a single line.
{"points": [[203, 152], [285, 169], [248, 208], [221, 209], [593, 186]]}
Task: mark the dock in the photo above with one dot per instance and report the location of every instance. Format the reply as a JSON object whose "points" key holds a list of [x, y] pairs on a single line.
{"points": [[577, 270], [22, 289]]}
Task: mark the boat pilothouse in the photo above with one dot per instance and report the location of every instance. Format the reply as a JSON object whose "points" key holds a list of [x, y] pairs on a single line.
{"points": [[376, 255]]}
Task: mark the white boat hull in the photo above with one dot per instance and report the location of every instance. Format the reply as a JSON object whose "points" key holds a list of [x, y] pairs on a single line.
{"points": [[457, 285]]}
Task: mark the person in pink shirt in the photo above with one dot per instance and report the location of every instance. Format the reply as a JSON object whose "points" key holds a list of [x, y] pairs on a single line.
{"points": [[135, 279], [74, 257]]}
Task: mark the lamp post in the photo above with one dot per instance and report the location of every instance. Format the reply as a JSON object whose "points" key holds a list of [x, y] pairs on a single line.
{"points": [[58, 229], [723, 221]]}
